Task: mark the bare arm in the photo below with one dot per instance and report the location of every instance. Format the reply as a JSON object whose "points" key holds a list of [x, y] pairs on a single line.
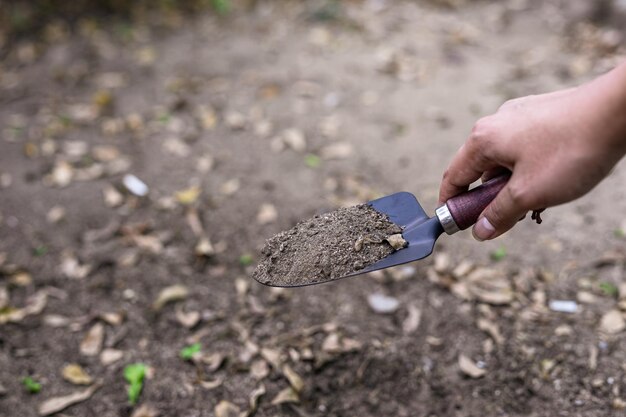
{"points": [[558, 146]]}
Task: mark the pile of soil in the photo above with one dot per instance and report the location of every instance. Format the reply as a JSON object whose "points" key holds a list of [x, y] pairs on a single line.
{"points": [[328, 246]]}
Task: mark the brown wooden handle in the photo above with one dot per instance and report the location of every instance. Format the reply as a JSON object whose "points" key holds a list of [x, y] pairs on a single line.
{"points": [[465, 208]]}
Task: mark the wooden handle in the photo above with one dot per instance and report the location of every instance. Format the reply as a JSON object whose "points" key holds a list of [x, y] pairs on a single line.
{"points": [[465, 208]]}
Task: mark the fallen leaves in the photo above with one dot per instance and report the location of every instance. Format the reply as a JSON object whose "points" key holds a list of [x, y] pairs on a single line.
{"points": [[91, 344], [56, 404], [612, 322], [146, 410], [267, 214], [287, 395], [227, 409], [469, 367], [35, 304], [412, 321], [76, 375], [188, 196], [169, 295]]}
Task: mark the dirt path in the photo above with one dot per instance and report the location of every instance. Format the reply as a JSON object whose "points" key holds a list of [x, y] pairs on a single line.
{"points": [[263, 119]]}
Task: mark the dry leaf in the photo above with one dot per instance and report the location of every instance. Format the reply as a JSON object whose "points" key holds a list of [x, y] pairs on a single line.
{"points": [[491, 329], [146, 410], [490, 286], [235, 120], [294, 138], [71, 267], [412, 321], [227, 409], [469, 368], [259, 369], [213, 360], [110, 356], [62, 174], [273, 357], [255, 396], [21, 279], [288, 395], [442, 263], [92, 342], [209, 385], [149, 243], [112, 197], [267, 214], [612, 322], [35, 305], [187, 319], [105, 153], [230, 187], [55, 214], [76, 375], [177, 147], [204, 247], [341, 150], [170, 295], [114, 319], [56, 404], [294, 379], [189, 195]]}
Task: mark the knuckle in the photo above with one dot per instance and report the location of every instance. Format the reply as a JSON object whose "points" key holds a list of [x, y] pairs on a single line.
{"points": [[519, 196]]}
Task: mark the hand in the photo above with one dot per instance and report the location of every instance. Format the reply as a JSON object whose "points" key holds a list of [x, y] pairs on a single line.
{"points": [[558, 146]]}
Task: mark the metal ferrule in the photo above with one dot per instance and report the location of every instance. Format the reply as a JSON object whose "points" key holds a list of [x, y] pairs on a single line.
{"points": [[446, 220]]}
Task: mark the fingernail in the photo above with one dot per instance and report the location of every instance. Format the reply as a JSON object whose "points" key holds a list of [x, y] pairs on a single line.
{"points": [[483, 230]]}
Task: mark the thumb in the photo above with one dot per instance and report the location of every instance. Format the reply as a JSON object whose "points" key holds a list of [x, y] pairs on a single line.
{"points": [[500, 215]]}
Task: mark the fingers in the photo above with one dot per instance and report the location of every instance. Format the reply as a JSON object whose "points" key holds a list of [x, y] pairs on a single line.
{"points": [[475, 157], [492, 173], [502, 214]]}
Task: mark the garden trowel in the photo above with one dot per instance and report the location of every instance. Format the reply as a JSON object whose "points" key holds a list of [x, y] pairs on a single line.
{"points": [[421, 231]]}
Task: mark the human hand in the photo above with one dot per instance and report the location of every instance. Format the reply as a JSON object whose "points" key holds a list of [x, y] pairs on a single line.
{"points": [[558, 146]]}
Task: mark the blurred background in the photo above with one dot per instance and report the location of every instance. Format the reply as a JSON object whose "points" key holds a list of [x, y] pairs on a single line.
{"points": [[148, 148]]}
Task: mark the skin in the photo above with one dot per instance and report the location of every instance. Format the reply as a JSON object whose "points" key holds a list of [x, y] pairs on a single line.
{"points": [[557, 146]]}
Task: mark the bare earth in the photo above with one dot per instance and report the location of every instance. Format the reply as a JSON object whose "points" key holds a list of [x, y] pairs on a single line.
{"points": [[243, 125]]}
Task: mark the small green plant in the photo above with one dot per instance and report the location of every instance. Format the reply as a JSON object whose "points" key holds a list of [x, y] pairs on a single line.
{"points": [[245, 259], [31, 385], [40, 250], [187, 352], [221, 6], [164, 118], [619, 233], [134, 375], [312, 161], [499, 254], [608, 289]]}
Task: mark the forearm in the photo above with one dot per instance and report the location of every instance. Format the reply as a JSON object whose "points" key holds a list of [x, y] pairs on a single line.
{"points": [[606, 99]]}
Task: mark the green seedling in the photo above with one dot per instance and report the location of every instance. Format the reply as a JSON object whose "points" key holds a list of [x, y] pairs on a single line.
{"points": [[245, 259], [187, 352], [40, 250], [134, 375], [608, 289], [31, 385], [498, 254], [619, 233], [312, 161], [221, 6]]}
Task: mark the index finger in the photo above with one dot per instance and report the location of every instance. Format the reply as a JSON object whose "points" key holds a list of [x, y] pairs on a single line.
{"points": [[467, 166]]}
